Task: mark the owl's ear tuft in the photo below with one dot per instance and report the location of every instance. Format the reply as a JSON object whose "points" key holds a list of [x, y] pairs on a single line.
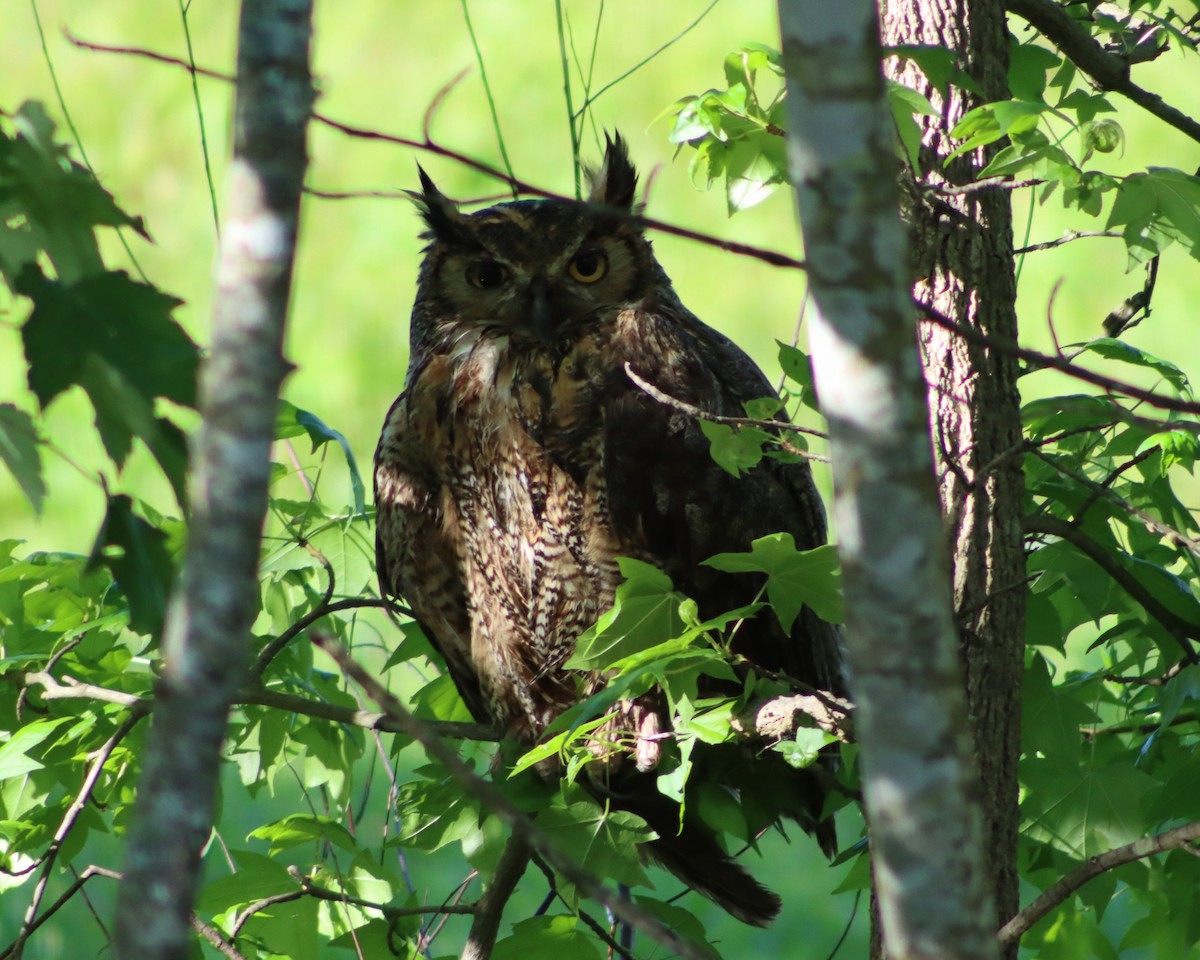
{"points": [[615, 182], [437, 210]]}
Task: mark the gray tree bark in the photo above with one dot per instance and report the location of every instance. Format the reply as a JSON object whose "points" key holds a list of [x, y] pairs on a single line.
{"points": [[206, 638], [963, 257], [918, 779]]}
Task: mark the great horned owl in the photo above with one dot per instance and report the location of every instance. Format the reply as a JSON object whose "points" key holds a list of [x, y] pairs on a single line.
{"points": [[520, 461]]}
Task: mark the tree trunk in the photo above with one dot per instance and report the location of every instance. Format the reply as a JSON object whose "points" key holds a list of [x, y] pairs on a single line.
{"points": [[207, 633], [918, 775], [963, 256]]}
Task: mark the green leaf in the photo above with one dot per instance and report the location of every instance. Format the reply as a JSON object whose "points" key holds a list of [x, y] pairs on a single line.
{"points": [[644, 614], [1157, 208], [1027, 68], [1052, 717], [136, 554], [304, 828], [794, 577], [939, 64], [114, 337], [19, 450], [14, 752], [434, 814], [56, 201], [603, 843], [904, 103], [805, 748], [681, 921], [546, 938], [257, 877], [1083, 812], [735, 449], [123, 322], [1122, 352], [290, 421], [990, 122]]}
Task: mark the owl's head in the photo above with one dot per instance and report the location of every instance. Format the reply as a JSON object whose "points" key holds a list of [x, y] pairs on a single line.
{"points": [[534, 269]]}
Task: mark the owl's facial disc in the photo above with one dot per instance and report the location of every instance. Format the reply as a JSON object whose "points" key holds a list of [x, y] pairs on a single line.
{"points": [[540, 297]]}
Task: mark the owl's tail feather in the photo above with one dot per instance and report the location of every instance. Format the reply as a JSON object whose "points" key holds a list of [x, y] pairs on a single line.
{"points": [[696, 858], [693, 854]]}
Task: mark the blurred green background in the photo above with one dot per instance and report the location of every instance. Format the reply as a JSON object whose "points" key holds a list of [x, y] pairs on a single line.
{"points": [[378, 65]]}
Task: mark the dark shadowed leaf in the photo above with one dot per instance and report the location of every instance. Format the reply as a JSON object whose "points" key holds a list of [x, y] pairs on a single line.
{"points": [[136, 554], [19, 451]]}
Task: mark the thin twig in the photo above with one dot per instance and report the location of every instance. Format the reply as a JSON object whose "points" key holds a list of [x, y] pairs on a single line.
{"points": [[496, 802], [69, 689], [958, 189], [1179, 628], [772, 257], [1058, 891], [272, 649], [14, 948], [1160, 681], [1109, 70], [216, 939], [1036, 359], [1149, 522], [68, 823], [700, 414], [1068, 237]]}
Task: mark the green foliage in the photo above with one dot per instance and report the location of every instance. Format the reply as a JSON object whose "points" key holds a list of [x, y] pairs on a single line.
{"points": [[737, 131], [346, 819]]}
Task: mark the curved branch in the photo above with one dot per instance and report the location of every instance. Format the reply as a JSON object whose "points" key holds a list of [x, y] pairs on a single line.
{"points": [[1180, 629], [272, 649], [1058, 891], [1110, 71], [490, 907]]}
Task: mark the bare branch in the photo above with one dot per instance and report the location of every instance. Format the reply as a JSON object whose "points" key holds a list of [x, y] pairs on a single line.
{"points": [[700, 414], [1179, 628], [1109, 70], [216, 939], [772, 257], [1033, 357], [272, 649], [490, 907], [1068, 237], [1160, 681], [14, 949], [69, 689], [1058, 892], [1000, 183]]}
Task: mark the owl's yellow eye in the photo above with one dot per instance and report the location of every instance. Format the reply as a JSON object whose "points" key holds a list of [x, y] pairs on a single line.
{"points": [[486, 274], [588, 266]]}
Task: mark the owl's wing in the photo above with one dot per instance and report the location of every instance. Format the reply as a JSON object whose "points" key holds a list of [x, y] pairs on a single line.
{"points": [[668, 497], [415, 558]]}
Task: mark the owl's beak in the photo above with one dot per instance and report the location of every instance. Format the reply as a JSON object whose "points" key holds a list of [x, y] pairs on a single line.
{"points": [[541, 322]]}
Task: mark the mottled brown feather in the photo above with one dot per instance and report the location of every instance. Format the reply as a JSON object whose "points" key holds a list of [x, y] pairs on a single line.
{"points": [[521, 461]]}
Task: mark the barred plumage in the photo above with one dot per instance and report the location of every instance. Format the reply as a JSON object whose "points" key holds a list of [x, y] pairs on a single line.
{"points": [[521, 461]]}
